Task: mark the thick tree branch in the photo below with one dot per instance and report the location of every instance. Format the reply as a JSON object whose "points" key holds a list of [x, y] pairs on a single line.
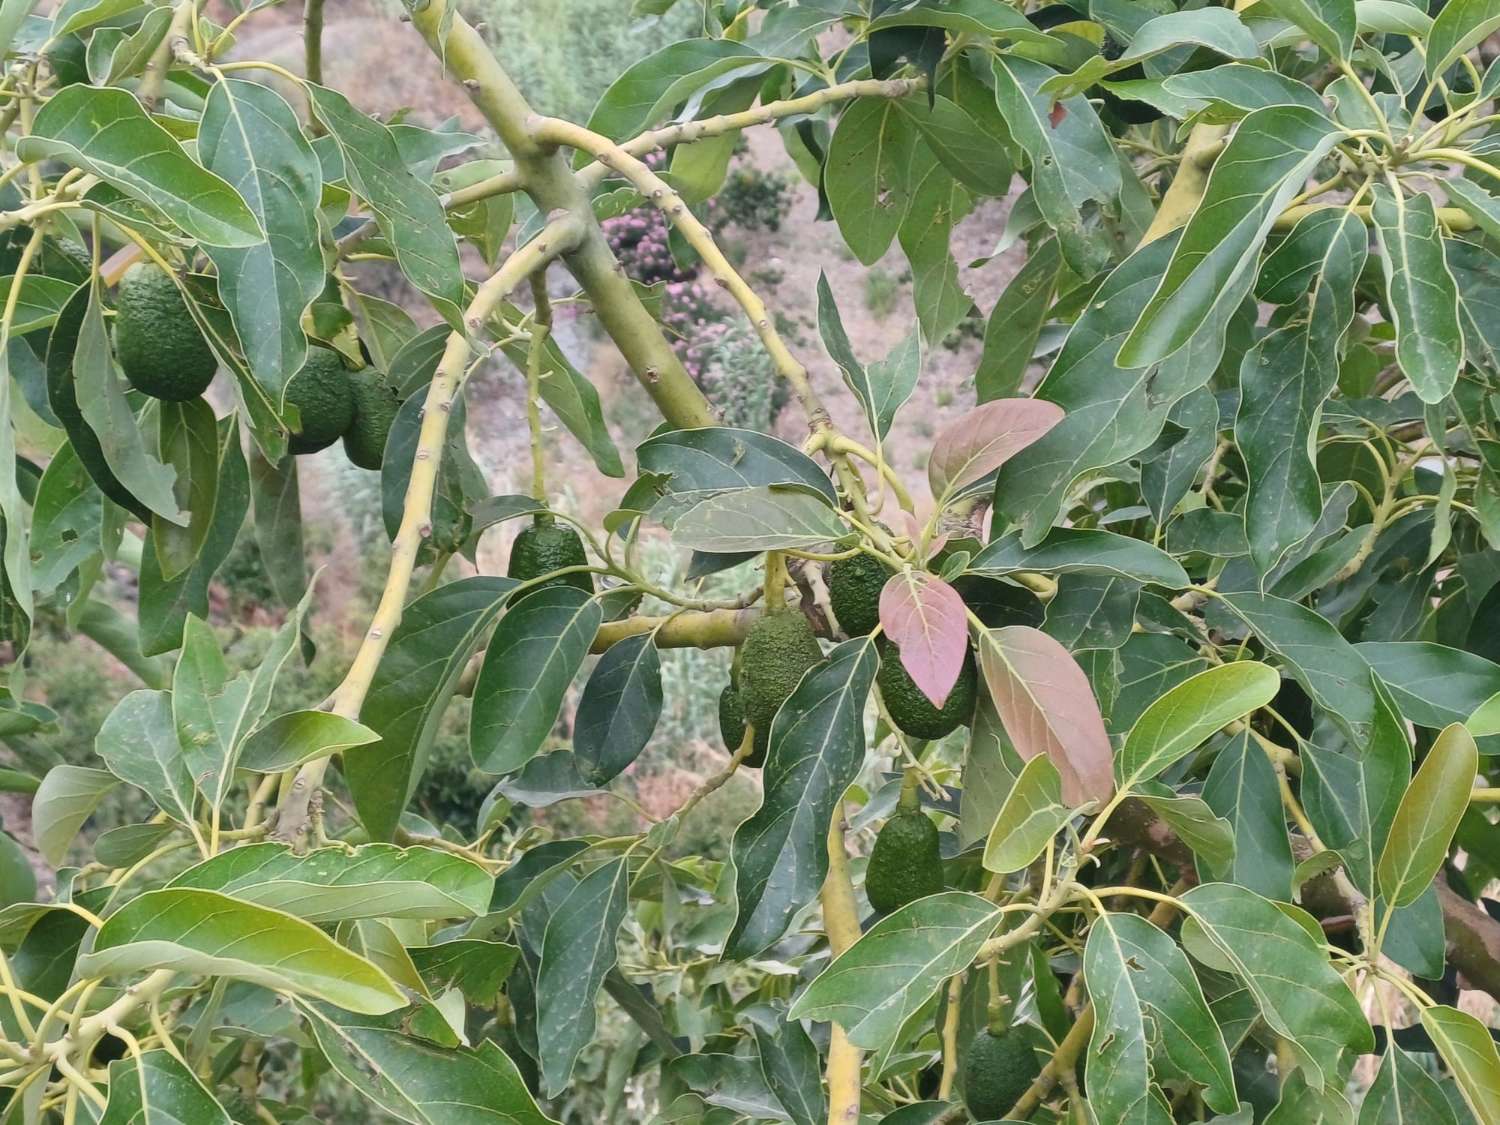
{"points": [[553, 187]]}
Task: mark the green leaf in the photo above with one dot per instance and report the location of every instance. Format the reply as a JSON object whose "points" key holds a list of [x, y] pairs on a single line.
{"points": [[405, 208], [1048, 708], [202, 932], [67, 796], [1469, 1051], [100, 388], [1217, 29], [1330, 24], [1434, 685], [647, 91], [1139, 979], [1284, 380], [1207, 835], [1420, 291], [1187, 715], [817, 747], [763, 518], [75, 15], [1459, 26], [1073, 168], [1016, 321], [867, 175], [536, 651], [720, 459], [105, 131], [130, 843], [1265, 163], [38, 303], [879, 982], [411, 688], [881, 387], [619, 708], [251, 137], [578, 949], [157, 1089], [138, 743], [476, 968], [1404, 1093], [1301, 996], [290, 740], [334, 884], [938, 204], [1032, 814], [1236, 89], [418, 1081], [790, 1064], [1392, 17], [1075, 550], [990, 19], [188, 443], [1428, 816], [960, 143], [1241, 787]]}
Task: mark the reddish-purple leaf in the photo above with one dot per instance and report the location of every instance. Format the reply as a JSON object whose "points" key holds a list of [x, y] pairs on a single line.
{"points": [[925, 618], [985, 438], [1047, 707]]}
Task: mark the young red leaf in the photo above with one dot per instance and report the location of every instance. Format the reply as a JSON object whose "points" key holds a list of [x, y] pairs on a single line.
{"points": [[985, 438], [925, 618], [1047, 707]]}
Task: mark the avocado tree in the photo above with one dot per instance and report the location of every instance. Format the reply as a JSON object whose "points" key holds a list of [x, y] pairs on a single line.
{"points": [[1161, 710]]}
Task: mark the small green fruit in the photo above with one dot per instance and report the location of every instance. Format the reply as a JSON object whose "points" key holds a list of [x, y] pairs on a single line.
{"points": [[998, 1070], [912, 711], [779, 648], [854, 586], [157, 341], [324, 398], [375, 408], [547, 546], [905, 863]]}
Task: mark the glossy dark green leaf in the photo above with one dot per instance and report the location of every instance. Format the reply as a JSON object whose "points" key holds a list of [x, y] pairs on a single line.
{"points": [[867, 175], [157, 1089], [1458, 27], [1016, 322], [874, 986], [1330, 24], [531, 661], [1241, 787], [1216, 29], [476, 968], [188, 444], [287, 741], [763, 518], [1170, 467], [67, 797], [1070, 550], [578, 949], [1185, 717], [1420, 290], [202, 932], [938, 204], [427, 652], [105, 131], [881, 387], [1433, 684], [406, 209], [959, 143], [790, 1064], [1089, 612], [619, 708], [646, 92], [720, 459], [1242, 88], [817, 747], [138, 743], [1265, 163], [1073, 169], [1284, 380], [418, 1081], [333, 885], [1404, 1093], [1138, 980], [251, 137], [1428, 816]]}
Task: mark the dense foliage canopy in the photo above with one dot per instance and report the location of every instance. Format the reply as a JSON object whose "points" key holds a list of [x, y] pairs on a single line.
{"points": [[1134, 767]]}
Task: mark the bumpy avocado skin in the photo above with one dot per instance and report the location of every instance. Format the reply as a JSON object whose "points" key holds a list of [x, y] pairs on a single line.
{"points": [[996, 1073], [324, 398], [544, 547], [905, 863], [157, 342], [375, 408], [854, 586], [912, 711], [778, 649], [731, 718]]}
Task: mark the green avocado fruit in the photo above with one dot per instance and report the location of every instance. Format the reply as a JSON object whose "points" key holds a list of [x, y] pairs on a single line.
{"points": [[547, 546], [778, 649], [157, 341], [854, 586], [323, 394], [905, 863], [912, 711], [998, 1070], [732, 727], [375, 407]]}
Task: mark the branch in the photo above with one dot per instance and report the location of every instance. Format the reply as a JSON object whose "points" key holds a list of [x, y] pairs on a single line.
{"points": [[155, 75], [1452, 218], [841, 921], [349, 696], [553, 188], [312, 40], [719, 628]]}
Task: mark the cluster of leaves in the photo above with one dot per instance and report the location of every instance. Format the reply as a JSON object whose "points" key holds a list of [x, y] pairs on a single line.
{"points": [[1227, 573]]}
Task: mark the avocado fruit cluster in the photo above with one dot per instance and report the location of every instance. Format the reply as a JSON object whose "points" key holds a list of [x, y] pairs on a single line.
{"points": [[997, 1071], [324, 397], [854, 586], [157, 342], [905, 863], [547, 546], [778, 649], [912, 712]]}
